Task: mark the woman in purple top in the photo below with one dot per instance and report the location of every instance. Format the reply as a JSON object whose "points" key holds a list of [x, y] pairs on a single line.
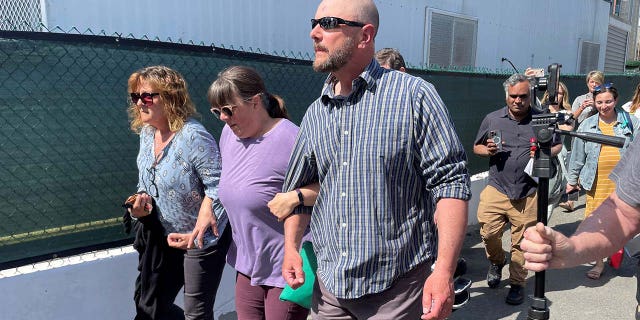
{"points": [[255, 146]]}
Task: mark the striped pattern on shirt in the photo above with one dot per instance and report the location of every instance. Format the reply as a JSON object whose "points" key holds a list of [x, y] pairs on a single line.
{"points": [[383, 155]]}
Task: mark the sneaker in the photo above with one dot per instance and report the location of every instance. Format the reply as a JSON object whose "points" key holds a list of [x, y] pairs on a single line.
{"points": [[515, 295], [461, 284], [460, 300], [494, 275]]}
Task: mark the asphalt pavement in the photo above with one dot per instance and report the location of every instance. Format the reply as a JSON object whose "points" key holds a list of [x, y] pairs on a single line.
{"points": [[570, 294]]}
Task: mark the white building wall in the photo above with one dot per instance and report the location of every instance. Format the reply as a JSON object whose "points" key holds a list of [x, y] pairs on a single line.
{"points": [[529, 33]]}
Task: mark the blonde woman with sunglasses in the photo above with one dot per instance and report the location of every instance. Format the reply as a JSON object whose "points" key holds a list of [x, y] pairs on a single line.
{"points": [[181, 235]]}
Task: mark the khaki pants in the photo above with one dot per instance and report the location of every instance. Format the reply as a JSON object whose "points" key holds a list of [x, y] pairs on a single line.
{"points": [[494, 211], [402, 301]]}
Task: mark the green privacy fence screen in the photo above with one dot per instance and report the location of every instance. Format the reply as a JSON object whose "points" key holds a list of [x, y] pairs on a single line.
{"points": [[67, 156]]}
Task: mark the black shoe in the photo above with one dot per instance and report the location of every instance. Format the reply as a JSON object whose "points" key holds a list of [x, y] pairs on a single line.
{"points": [[461, 299], [461, 268], [515, 295], [494, 275], [461, 284]]}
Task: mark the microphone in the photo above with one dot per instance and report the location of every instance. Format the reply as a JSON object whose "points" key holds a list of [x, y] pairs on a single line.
{"points": [[512, 66]]}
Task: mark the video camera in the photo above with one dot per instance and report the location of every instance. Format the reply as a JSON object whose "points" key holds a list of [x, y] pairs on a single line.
{"points": [[543, 83]]}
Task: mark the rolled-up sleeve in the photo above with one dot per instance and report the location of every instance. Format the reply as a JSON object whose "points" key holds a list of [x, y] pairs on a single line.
{"points": [[441, 156]]}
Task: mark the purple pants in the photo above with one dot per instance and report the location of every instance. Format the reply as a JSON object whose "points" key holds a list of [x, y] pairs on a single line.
{"points": [[263, 302]]}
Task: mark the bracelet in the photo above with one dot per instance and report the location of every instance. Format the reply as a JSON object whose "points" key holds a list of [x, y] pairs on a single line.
{"points": [[300, 197]]}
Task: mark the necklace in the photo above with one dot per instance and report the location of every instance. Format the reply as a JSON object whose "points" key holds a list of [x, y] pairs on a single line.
{"points": [[159, 146]]}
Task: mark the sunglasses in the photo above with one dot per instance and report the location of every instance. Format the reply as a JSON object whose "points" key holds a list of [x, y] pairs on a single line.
{"points": [[147, 98], [153, 188], [227, 110], [328, 23], [521, 96], [600, 88]]}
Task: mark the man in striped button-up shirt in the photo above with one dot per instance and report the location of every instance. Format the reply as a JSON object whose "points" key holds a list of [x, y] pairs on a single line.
{"points": [[390, 166]]}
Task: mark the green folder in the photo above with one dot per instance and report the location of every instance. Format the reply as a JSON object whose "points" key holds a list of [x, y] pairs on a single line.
{"points": [[302, 295]]}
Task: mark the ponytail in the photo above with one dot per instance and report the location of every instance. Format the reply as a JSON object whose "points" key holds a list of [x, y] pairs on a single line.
{"points": [[275, 105]]}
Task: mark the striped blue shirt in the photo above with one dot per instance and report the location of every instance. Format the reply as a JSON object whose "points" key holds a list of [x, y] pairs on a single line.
{"points": [[383, 155]]}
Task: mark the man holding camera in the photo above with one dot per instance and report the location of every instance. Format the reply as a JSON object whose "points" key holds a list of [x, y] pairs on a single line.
{"points": [[510, 195]]}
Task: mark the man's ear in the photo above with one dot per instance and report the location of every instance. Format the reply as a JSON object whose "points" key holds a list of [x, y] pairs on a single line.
{"points": [[368, 35]]}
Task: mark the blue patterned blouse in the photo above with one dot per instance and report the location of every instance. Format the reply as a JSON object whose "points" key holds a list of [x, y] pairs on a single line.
{"points": [[188, 169]]}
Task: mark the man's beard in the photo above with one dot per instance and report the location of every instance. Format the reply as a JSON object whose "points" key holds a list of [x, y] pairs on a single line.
{"points": [[336, 59]]}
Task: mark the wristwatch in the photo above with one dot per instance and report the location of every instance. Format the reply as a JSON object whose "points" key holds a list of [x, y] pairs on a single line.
{"points": [[300, 197]]}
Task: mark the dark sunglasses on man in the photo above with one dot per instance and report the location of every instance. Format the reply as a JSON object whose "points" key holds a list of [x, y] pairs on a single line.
{"points": [[328, 23], [147, 98]]}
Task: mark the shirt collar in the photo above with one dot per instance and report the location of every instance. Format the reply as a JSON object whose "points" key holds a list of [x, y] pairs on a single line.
{"points": [[505, 114], [368, 80]]}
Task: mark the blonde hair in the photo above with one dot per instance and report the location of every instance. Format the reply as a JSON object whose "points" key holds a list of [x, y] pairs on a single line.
{"points": [[172, 88], [635, 102], [565, 97], [596, 75]]}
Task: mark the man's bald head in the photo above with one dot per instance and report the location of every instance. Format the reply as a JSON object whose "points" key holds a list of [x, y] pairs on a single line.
{"points": [[364, 11]]}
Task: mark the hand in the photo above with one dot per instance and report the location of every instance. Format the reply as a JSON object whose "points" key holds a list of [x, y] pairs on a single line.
{"points": [[529, 72], [492, 147], [283, 204], [437, 296], [586, 103], [206, 219], [178, 240], [141, 206], [544, 248], [292, 268]]}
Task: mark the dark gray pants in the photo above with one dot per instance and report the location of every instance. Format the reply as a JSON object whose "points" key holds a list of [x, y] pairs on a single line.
{"points": [[164, 270], [202, 273]]}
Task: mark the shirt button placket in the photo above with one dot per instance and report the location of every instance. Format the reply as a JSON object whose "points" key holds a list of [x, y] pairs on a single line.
{"points": [[345, 155]]}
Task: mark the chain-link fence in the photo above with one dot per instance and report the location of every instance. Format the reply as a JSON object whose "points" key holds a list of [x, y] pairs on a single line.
{"points": [[67, 156], [20, 15]]}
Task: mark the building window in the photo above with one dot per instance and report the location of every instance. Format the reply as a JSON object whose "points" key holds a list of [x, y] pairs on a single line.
{"points": [[589, 55], [616, 50], [621, 9], [451, 40]]}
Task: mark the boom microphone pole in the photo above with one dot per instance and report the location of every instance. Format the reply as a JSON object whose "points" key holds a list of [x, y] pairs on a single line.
{"points": [[512, 66]]}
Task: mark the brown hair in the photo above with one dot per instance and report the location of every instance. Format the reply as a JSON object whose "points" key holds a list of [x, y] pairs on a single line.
{"points": [[390, 57], [244, 82], [611, 89], [173, 91]]}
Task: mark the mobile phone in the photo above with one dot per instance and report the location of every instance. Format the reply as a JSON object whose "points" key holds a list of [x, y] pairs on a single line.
{"points": [[538, 73], [496, 136]]}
